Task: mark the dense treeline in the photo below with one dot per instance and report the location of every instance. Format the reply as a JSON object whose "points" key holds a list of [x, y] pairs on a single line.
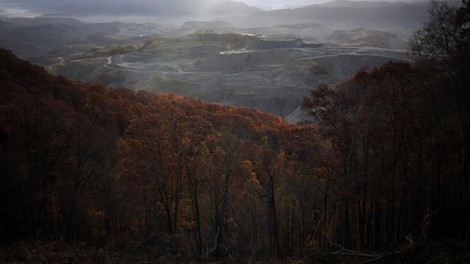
{"points": [[400, 142], [384, 166], [397, 164], [81, 162]]}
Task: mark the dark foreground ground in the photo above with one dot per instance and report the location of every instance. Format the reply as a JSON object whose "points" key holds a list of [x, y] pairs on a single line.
{"points": [[59, 252]]}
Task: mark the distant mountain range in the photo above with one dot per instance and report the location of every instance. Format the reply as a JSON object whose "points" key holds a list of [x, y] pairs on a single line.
{"points": [[223, 52], [320, 22], [403, 13], [34, 37], [337, 14], [162, 9], [350, 14], [343, 14]]}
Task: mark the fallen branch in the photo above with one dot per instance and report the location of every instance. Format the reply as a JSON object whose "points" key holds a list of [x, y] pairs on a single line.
{"points": [[369, 257], [410, 239]]}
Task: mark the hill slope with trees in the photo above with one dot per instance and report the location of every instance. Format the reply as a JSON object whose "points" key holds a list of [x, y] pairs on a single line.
{"points": [[91, 174]]}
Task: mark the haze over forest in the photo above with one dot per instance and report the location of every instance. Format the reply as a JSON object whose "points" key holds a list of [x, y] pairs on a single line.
{"points": [[163, 131], [254, 58], [47, 5]]}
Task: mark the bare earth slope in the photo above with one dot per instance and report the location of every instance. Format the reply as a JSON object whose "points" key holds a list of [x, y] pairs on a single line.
{"points": [[265, 60], [270, 74]]}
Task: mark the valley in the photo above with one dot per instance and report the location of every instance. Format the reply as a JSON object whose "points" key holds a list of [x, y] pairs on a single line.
{"points": [[269, 60], [273, 74], [210, 131]]}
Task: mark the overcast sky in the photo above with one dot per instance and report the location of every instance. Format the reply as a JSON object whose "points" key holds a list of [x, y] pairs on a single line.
{"points": [[280, 3], [277, 4], [28, 7], [269, 4], [273, 4]]}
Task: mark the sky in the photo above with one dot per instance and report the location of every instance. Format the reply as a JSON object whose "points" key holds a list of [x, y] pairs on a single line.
{"points": [[264, 4], [273, 4], [19, 7]]}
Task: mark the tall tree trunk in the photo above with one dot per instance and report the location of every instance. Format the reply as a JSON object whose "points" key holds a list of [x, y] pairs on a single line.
{"points": [[273, 215], [193, 188], [346, 226], [325, 215]]}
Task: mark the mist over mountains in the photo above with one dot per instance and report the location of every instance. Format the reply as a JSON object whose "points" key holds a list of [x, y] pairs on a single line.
{"points": [[313, 22], [219, 51], [145, 9], [349, 14], [212, 132], [333, 13]]}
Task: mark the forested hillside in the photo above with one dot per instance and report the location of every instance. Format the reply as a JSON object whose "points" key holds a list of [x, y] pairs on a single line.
{"points": [[90, 174]]}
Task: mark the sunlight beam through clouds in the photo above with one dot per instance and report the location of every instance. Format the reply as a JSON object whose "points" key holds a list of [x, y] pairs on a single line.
{"points": [[207, 6], [276, 4], [18, 12]]}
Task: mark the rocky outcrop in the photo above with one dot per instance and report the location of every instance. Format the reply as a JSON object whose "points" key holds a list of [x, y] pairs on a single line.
{"points": [[238, 69]]}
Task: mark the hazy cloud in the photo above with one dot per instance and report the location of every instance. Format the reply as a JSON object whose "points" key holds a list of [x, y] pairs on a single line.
{"points": [[275, 4], [15, 10]]}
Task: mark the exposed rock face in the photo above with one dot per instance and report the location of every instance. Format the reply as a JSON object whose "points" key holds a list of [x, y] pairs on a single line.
{"points": [[245, 70], [298, 115], [220, 54], [278, 44]]}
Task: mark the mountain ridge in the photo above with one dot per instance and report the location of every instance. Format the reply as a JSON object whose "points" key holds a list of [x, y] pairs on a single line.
{"points": [[348, 14], [159, 10]]}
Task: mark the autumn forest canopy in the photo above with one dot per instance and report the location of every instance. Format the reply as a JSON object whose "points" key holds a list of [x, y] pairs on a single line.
{"points": [[382, 171]]}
